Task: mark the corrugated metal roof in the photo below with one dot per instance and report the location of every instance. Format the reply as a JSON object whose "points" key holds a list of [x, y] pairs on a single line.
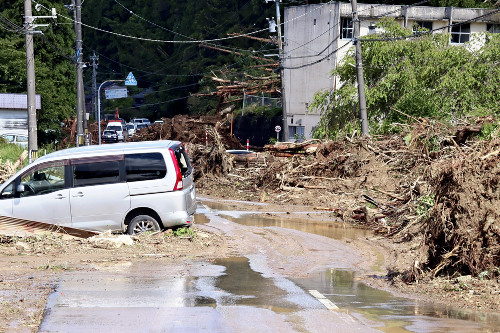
{"points": [[17, 101]]}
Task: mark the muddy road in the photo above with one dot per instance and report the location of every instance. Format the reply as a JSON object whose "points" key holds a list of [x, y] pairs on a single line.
{"points": [[277, 271]]}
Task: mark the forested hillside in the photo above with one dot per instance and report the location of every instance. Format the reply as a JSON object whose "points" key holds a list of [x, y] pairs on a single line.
{"points": [[160, 44]]}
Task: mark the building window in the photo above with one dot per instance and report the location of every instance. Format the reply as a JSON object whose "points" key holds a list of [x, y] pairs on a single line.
{"points": [[347, 28], [493, 28], [460, 33], [297, 133], [421, 26]]}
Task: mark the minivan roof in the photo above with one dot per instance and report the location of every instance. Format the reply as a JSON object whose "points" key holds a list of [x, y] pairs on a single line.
{"points": [[117, 148]]}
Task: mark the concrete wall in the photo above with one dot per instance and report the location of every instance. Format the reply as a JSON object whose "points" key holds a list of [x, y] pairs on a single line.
{"points": [[310, 36]]}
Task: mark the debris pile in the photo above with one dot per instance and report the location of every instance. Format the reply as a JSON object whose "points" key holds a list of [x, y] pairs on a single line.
{"points": [[8, 168], [433, 186], [462, 232], [210, 160]]}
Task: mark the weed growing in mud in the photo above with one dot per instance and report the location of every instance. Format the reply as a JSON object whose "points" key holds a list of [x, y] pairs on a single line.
{"points": [[425, 204], [488, 131], [51, 267], [184, 232]]}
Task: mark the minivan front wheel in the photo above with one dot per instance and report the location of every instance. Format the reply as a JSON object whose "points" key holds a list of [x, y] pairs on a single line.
{"points": [[142, 223]]}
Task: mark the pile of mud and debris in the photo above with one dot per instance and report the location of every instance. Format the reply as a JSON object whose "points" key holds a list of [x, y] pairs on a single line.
{"points": [[432, 187]]}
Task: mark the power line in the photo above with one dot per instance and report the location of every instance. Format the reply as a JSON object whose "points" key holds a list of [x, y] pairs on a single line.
{"points": [[8, 25], [179, 41], [319, 60], [156, 25], [153, 104]]}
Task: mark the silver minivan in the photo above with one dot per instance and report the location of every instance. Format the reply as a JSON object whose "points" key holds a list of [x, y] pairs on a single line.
{"points": [[133, 187]]}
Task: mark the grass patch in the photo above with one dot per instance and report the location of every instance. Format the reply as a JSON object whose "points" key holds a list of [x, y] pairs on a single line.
{"points": [[10, 151]]}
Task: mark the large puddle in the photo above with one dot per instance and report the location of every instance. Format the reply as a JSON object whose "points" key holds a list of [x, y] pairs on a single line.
{"points": [[374, 307], [332, 229]]}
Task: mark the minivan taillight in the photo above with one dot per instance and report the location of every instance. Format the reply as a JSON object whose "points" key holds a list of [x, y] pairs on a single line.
{"points": [[178, 180]]}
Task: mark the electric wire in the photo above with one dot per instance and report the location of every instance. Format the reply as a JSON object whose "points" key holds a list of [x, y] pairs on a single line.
{"points": [[10, 26], [179, 41], [317, 61]]}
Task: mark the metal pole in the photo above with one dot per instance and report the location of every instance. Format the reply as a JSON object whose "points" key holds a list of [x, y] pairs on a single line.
{"points": [[94, 83], [281, 60], [30, 80], [359, 70], [79, 74], [99, 106]]}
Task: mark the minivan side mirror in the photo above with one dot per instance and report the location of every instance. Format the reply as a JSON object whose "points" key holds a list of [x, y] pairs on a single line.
{"points": [[20, 188]]}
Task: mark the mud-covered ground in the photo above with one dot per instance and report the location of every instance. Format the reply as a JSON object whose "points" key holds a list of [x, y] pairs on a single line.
{"points": [[31, 265]]}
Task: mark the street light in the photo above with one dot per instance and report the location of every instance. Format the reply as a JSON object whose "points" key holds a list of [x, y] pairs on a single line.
{"points": [[99, 106]]}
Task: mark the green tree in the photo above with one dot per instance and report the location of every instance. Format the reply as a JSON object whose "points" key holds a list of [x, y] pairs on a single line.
{"points": [[54, 69], [421, 77]]}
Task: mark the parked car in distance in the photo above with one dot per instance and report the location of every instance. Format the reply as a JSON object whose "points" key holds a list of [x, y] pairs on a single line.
{"points": [[140, 126], [131, 128], [109, 136], [119, 129], [135, 186], [141, 121], [120, 120], [18, 139], [158, 122]]}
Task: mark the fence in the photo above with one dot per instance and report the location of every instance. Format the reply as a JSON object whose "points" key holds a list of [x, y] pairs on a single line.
{"points": [[254, 100]]}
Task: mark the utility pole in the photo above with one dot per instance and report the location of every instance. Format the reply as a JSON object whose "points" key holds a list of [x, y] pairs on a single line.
{"points": [[80, 98], [281, 60], [94, 59], [30, 80], [359, 69]]}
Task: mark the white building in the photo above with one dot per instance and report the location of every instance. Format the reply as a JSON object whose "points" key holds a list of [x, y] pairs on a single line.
{"points": [[14, 113], [317, 37]]}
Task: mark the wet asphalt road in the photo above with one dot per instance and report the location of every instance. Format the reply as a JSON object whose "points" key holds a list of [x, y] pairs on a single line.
{"points": [[237, 294]]}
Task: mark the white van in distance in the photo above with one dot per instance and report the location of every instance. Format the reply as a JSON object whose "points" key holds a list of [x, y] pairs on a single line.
{"points": [[133, 187]]}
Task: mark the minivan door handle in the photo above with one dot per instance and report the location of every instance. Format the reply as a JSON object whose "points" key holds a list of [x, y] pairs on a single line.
{"points": [[79, 194], [60, 196]]}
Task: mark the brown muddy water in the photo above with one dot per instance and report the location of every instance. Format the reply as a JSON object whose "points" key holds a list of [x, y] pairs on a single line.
{"points": [[375, 308]]}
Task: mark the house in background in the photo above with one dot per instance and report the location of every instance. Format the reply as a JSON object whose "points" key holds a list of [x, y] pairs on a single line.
{"points": [[14, 113], [317, 37]]}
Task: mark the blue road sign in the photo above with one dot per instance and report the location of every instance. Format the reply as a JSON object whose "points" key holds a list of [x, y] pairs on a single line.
{"points": [[116, 93], [130, 80]]}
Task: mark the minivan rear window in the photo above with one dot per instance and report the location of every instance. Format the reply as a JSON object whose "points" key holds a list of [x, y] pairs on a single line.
{"points": [[96, 173], [145, 166]]}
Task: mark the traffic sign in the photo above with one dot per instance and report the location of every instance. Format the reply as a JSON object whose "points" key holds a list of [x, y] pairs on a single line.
{"points": [[277, 129], [130, 80], [113, 93]]}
